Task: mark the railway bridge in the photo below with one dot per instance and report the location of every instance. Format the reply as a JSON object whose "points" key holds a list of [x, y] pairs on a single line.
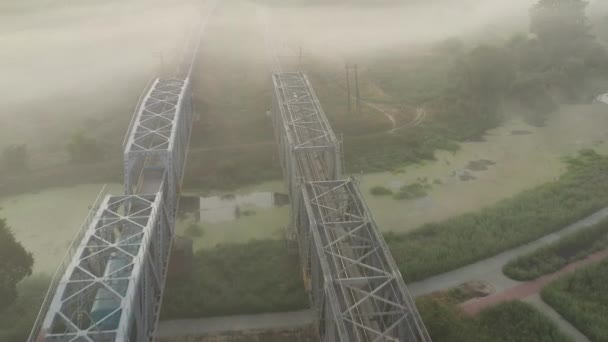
{"points": [[353, 281], [109, 286]]}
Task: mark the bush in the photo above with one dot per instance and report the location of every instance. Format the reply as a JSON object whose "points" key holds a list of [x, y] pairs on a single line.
{"points": [[581, 299], [508, 322], [260, 276], [194, 230], [381, 191], [17, 320], [551, 258], [412, 191], [443, 246]]}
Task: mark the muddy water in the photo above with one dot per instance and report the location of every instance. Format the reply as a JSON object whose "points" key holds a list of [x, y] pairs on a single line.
{"points": [[46, 222], [521, 157], [257, 212]]}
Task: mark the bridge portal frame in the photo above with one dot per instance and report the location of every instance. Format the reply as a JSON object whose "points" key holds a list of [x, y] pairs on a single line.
{"points": [[132, 232], [160, 136]]}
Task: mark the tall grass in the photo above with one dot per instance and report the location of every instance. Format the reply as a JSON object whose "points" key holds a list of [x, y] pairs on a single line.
{"points": [[581, 299], [456, 242], [551, 258]]}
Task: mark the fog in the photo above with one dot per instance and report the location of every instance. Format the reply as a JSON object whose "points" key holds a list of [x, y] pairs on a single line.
{"points": [[65, 61]]}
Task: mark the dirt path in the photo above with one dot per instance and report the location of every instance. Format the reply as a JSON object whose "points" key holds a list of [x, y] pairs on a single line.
{"points": [[527, 289], [490, 270], [192, 328]]}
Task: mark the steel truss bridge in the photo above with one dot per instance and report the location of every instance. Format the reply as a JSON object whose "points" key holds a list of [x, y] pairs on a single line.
{"points": [[353, 281], [110, 284]]}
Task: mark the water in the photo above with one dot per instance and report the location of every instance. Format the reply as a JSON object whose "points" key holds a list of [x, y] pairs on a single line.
{"points": [[511, 163], [46, 222], [229, 207], [233, 217]]}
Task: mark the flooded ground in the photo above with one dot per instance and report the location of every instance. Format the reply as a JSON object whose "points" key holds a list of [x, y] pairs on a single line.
{"points": [[258, 212], [513, 158], [46, 222]]}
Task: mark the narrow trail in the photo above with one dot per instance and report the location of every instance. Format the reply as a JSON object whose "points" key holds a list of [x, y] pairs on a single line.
{"points": [[529, 288], [490, 271]]}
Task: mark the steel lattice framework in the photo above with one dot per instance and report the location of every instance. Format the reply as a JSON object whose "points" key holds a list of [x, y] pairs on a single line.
{"points": [[122, 256], [110, 284], [353, 281], [159, 138], [112, 278]]}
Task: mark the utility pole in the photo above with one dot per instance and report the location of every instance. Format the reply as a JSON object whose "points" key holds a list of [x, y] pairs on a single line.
{"points": [[347, 88], [357, 90]]}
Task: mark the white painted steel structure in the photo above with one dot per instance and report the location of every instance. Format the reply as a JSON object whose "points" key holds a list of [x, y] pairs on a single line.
{"points": [[110, 284], [353, 282]]}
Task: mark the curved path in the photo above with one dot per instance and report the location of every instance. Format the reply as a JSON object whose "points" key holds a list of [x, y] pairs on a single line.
{"points": [[490, 271]]}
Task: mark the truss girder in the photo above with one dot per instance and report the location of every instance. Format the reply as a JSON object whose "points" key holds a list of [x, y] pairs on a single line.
{"points": [[159, 138], [351, 277], [112, 287]]}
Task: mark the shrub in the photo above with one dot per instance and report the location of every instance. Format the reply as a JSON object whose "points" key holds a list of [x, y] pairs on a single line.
{"points": [[551, 258], [411, 191], [194, 230], [581, 299], [381, 191], [443, 246], [508, 322], [260, 276]]}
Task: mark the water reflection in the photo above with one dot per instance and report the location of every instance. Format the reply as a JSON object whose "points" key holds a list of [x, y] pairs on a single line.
{"points": [[216, 209]]}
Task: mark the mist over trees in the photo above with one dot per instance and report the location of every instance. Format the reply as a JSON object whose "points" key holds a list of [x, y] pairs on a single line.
{"points": [[15, 264]]}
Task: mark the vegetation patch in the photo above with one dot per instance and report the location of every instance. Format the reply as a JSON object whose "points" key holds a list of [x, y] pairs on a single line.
{"points": [[412, 191], [381, 191], [257, 277], [17, 319], [443, 246], [581, 299], [553, 257], [508, 322]]}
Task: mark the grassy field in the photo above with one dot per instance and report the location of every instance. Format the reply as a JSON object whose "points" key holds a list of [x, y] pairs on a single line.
{"points": [[508, 322], [456, 242], [16, 321], [551, 258], [581, 299], [260, 276]]}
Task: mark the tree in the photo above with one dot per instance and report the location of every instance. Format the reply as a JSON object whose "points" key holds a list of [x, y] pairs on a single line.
{"points": [[83, 149], [479, 82], [561, 25], [14, 158], [15, 264]]}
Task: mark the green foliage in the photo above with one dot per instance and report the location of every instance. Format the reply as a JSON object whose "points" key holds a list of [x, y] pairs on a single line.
{"points": [[83, 149], [508, 322], [383, 151], [443, 246], [15, 264], [256, 277], [381, 191], [412, 191], [551, 258], [17, 319], [231, 168], [15, 158], [518, 321], [194, 230], [581, 299], [567, 55]]}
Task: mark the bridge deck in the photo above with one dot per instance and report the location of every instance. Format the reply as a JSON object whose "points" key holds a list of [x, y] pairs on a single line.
{"points": [[355, 286]]}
